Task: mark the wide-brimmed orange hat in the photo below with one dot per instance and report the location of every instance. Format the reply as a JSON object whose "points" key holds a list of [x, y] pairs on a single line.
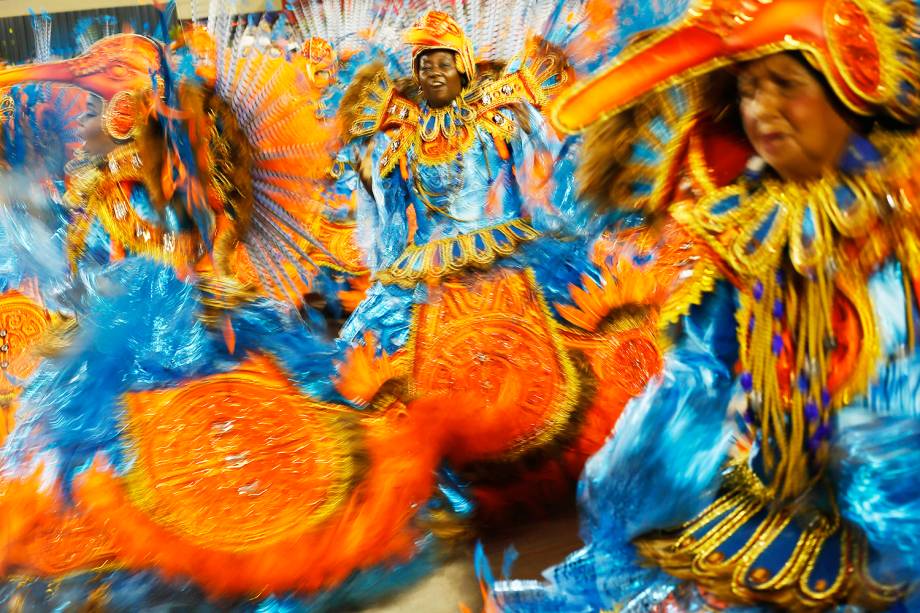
{"points": [[115, 68], [867, 49]]}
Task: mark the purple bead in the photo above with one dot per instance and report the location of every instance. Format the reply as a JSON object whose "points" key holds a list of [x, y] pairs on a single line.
{"points": [[751, 324], [811, 411], [749, 416], [803, 382], [758, 290], [777, 344], [780, 277], [747, 381], [825, 397], [778, 308], [821, 434]]}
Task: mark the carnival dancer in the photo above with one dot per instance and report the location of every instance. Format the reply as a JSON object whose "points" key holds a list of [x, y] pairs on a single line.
{"points": [[810, 331], [470, 252], [153, 340], [188, 428]]}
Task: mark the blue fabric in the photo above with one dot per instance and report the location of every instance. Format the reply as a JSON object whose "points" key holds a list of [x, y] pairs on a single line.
{"points": [[41, 126], [33, 229], [669, 445], [126, 592], [877, 441], [139, 330], [878, 488], [557, 264], [387, 312]]}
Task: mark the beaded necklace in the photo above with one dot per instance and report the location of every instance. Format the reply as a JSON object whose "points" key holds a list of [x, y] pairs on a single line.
{"points": [[796, 250]]}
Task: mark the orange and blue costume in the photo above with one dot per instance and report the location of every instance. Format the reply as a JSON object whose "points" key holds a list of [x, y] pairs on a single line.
{"points": [[768, 465], [194, 441]]}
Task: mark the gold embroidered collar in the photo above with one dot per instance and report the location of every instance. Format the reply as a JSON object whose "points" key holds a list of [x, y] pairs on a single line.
{"points": [[752, 222], [96, 189]]}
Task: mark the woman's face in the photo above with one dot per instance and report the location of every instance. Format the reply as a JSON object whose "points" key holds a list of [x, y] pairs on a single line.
{"points": [[439, 78], [96, 142], [789, 119]]}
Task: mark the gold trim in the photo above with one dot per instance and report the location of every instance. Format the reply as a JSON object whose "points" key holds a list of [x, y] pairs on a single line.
{"points": [[729, 578], [100, 191], [435, 260]]}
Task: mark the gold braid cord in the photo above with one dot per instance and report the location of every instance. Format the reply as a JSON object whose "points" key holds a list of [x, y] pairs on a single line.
{"points": [[741, 550], [801, 255], [103, 192]]}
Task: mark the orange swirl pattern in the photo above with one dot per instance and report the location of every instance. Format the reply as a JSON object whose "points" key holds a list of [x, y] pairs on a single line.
{"points": [[622, 361], [246, 486], [493, 339], [59, 544], [22, 323], [238, 459]]}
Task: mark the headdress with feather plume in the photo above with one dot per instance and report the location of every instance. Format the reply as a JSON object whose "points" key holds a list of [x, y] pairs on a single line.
{"points": [[232, 138]]}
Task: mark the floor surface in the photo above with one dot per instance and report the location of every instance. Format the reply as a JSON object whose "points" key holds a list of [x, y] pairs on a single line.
{"points": [[539, 544]]}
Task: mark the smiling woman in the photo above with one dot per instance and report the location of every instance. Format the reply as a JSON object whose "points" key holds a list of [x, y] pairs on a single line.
{"points": [[439, 77], [96, 142]]}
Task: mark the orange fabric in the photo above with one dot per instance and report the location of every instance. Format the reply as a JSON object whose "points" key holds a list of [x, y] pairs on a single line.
{"points": [[116, 251], [363, 372], [352, 297], [23, 505], [229, 334], [412, 221], [848, 334], [493, 340], [7, 420], [501, 147], [23, 321], [372, 526]]}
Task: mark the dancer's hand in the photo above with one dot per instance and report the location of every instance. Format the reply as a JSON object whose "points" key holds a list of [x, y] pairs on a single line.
{"points": [[366, 167]]}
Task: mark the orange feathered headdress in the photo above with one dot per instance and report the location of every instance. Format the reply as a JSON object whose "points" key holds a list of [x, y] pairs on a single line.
{"points": [[437, 30], [867, 50]]}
